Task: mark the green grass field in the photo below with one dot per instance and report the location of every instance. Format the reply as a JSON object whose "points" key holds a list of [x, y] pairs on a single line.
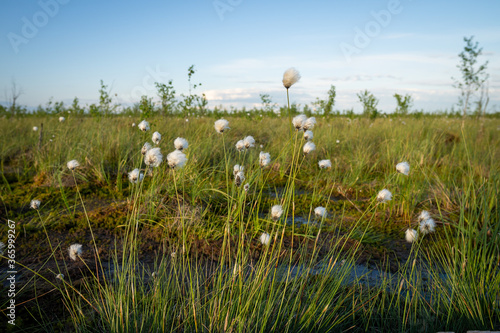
{"points": [[181, 250]]}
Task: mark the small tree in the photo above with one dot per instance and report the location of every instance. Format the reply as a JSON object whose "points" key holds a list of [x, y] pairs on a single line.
{"points": [[12, 96], [369, 103], [59, 107], [104, 100], [94, 110], [192, 100], [75, 108], [202, 103], [326, 105], [166, 93], [473, 76], [404, 104], [146, 106], [267, 102]]}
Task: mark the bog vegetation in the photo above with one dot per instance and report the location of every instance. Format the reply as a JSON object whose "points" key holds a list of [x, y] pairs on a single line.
{"points": [[171, 218]]}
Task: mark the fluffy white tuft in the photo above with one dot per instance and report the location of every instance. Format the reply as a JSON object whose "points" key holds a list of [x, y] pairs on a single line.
{"points": [[427, 226], [249, 142], [135, 176], [308, 135], [290, 77], [320, 212], [239, 178], [265, 238], [309, 123], [424, 215], [384, 196], [276, 212], [62, 119], [156, 138], [298, 121], [403, 168], [176, 159], [264, 159], [309, 147], [411, 235], [324, 164], [181, 144], [75, 250], [73, 164], [35, 204], [143, 126], [147, 146], [240, 145], [153, 157], [237, 168], [221, 125]]}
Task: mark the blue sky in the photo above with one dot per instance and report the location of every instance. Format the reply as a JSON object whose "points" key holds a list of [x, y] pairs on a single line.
{"points": [[240, 48]]}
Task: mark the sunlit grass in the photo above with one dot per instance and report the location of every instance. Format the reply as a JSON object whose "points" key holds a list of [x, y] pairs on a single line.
{"points": [[306, 278]]}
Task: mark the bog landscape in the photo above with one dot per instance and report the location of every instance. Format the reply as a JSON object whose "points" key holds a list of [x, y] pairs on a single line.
{"points": [[173, 217]]}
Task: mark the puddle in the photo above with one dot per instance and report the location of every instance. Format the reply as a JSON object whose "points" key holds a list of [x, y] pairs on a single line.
{"points": [[280, 191], [299, 221]]}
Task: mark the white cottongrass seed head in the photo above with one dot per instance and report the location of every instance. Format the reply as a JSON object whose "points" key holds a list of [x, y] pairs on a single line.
{"points": [[143, 126], [276, 212], [147, 146], [181, 144], [308, 135], [403, 168], [176, 159], [298, 121], [61, 119], [309, 147], [411, 235], [237, 168], [240, 145], [239, 178], [133, 124], [221, 125], [246, 187], [290, 77], [384, 196], [309, 123], [135, 176], [320, 212], [156, 138], [264, 159], [325, 164], [75, 250], [427, 226], [249, 142], [265, 238], [73, 164], [424, 215], [35, 204], [35, 128], [153, 157], [60, 276]]}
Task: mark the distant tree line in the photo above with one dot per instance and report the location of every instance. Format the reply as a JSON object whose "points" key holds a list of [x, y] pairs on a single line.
{"points": [[473, 80]]}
